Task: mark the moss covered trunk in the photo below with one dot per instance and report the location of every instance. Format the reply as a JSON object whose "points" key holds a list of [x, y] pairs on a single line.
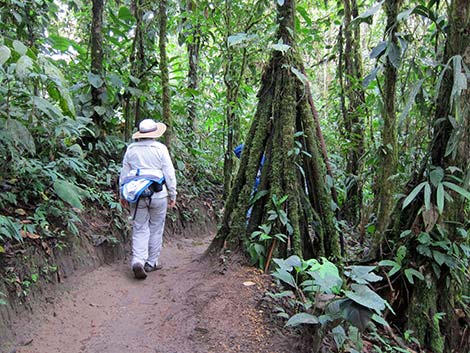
{"points": [[432, 305], [292, 195], [353, 110], [166, 98], [193, 46], [388, 153], [96, 54]]}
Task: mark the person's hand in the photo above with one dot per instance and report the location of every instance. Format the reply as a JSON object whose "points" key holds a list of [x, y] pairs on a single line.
{"points": [[124, 202], [172, 203]]}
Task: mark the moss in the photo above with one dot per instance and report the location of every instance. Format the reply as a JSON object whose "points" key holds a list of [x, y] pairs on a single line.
{"points": [[422, 319], [240, 180], [317, 188], [282, 109], [437, 339]]}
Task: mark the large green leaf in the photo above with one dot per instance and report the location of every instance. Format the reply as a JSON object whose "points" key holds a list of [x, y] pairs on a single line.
{"points": [[380, 320], [293, 261], [23, 66], [436, 175], [47, 108], [95, 80], [370, 77], [367, 15], [240, 39], [64, 44], [66, 102], [285, 276], [115, 80], [460, 79], [356, 314], [60, 84], [405, 14], [125, 14], [5, 54], [302, 318], [69, 193], [427, 196], [378, 50], [442, 258], [394, 54], [364, 296], [339, 335], [413, 194], [326, 277], [19, 47], [279, 46], [100, 109], [457, 189], [20, 135], [440, 198], [362, 274]]}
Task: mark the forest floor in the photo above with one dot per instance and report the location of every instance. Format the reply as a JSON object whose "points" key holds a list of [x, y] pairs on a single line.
{"points": [[187, 307]]}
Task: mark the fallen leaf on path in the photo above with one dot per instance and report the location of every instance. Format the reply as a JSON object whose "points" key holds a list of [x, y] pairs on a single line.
{"points": [[27, 342], [248, 283]]}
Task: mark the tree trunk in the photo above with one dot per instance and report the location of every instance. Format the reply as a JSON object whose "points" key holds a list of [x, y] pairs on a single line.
{"points": [[166, 98], [388, 153], [193, 45], [97, 57], [283, 130], [353, 111], [233, 77], [137, 61], [440, 291], [232, 120]]}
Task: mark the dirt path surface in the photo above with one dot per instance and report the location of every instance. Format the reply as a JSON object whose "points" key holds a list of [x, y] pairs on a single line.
{"points": [[186, 307]]}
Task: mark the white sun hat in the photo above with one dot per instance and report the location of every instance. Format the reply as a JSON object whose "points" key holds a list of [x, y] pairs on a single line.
{"points": [[149, 128]]}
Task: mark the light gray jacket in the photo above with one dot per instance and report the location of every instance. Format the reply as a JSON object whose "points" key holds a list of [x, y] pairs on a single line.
{"points": [[150, 157]]}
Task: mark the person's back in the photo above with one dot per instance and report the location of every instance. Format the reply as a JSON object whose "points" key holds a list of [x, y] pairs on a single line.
{"points": [[150, 157], [148, 160]]}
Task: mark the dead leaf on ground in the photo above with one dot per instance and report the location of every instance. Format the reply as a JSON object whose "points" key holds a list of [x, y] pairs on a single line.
{"points": [[248, 283], [29, 235]]}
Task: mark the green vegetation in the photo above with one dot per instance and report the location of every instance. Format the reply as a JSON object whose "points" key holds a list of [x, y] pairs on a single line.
{"points": [[361, 110]]}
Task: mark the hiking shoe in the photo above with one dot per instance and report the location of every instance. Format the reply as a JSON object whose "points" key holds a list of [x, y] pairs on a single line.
{"points": [[139, 271], [149, 268]]}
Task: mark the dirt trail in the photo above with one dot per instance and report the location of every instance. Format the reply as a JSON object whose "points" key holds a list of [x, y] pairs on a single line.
{"points": [[184, 308]]}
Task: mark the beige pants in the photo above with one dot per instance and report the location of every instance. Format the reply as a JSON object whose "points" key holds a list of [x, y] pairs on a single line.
{"points": [[147, 229]]}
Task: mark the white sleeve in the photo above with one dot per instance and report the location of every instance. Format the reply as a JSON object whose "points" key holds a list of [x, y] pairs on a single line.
{"points": [[126, 168], [169, 173]]}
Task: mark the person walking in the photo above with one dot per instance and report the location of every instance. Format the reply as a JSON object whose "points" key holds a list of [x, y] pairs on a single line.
{"points": [[147, 163]]}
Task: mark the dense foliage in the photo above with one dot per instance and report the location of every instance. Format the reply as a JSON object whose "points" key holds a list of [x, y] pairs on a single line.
{"points": [[379, 75]]}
